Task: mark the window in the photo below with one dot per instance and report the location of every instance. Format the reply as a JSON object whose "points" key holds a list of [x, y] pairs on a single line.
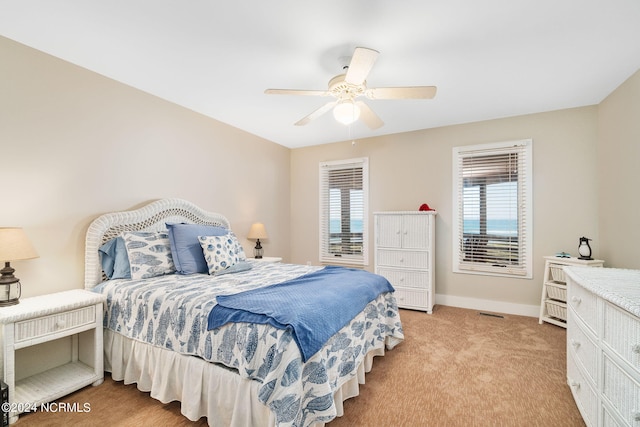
{"points": [[344, 198], [492, 209]]}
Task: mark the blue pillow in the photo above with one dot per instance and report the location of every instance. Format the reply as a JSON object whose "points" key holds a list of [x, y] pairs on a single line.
{"points": [[114, 259], [185, 247]]}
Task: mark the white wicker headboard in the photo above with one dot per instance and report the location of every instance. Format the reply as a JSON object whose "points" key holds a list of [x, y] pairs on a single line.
{"points": [[151, 217]]}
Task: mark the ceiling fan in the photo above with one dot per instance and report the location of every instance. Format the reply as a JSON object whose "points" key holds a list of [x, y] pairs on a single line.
{"points": [[345, 88]]}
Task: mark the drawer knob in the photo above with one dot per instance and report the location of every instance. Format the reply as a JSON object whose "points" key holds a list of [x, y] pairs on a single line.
{"points": [[401, 260], [575, 384], [636, 348], [636, 416], [576, 299], [575, 343], [60, 323]]}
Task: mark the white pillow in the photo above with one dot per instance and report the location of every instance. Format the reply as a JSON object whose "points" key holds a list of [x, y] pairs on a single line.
{"points": [[149, 253]]}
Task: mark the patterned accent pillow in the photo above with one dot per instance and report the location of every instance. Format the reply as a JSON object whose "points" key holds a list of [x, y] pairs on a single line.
{"points": [[149, 253], [220, 252], [235, 268], [239, 250]]}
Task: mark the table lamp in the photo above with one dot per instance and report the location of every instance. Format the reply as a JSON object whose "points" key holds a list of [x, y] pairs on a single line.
{"points": [[14, 245], [257, 232]]}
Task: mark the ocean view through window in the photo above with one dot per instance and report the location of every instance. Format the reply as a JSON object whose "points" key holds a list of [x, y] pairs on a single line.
{"points": [[355, 225], [492, 212], [343, 207]]}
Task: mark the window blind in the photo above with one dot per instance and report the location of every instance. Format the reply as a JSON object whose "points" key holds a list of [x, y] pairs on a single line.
{"points": [[492, 208], [343, 212]]}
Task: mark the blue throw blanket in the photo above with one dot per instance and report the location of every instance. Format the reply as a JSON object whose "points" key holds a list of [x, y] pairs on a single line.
{"points": [[315, 306]]}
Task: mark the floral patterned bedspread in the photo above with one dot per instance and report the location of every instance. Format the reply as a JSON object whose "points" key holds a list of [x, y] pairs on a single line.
{"points": [[171, 312]]}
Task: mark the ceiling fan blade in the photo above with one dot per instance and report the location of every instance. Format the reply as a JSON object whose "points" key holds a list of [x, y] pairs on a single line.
{"points": [[367, 115], [320, 111], [361, 63], [412, 92], [297, 92]]}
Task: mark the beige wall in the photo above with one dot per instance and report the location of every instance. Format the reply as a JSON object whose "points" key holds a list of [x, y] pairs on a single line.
{"points": [[618, 171], [409, 169], [74, 144]]}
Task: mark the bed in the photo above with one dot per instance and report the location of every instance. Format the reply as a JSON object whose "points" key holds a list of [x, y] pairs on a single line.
{"points": [[158, 324]]}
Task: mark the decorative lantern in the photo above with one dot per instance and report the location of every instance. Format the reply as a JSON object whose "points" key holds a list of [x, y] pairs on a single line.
{"points": [[584, 249], [14, 246]]}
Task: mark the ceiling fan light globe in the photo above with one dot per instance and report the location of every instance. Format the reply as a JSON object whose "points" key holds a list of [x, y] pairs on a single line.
{"points": [[346, 112]]}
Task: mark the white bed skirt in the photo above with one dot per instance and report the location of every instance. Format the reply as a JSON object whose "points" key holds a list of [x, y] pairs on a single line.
{"points": [[205, 389]]}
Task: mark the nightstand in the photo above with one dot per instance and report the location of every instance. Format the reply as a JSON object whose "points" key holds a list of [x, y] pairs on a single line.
{"points": [[74, 315], [553, 304], [268, 259]]}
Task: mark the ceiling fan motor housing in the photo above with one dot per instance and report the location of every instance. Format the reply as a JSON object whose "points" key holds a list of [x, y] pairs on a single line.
{"points": [[343, 90]]}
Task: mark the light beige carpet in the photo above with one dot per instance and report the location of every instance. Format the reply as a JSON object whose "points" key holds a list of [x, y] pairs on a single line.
{"points": [[455, 368], [459, 368]]}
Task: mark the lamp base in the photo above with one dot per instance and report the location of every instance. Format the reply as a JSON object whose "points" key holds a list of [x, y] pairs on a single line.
{"points": [[10, 288], [257, 251]]}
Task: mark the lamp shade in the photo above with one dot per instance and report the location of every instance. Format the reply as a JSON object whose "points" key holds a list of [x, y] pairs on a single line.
{"points": [[15, 245], [257, 231]]}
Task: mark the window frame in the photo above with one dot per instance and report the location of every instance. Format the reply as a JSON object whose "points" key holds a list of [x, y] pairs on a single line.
{"points": [[524, 267], [325, 256]]}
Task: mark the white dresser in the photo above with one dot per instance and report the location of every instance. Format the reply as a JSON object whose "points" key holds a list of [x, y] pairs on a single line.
{"points": [[404, 254], [603, 344]]}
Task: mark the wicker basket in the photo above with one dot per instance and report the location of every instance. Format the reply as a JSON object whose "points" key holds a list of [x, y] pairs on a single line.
{"points": [[557, 292], [556, 309], [557, 274]]}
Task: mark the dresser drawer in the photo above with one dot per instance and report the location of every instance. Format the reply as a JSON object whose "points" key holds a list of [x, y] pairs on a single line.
{"points": [[609, 419], [406, 278], [584, 304], [405, 259], [583, 394], [622, 391], [55, 323], [412, 298], [583, 349], [621, 332]]}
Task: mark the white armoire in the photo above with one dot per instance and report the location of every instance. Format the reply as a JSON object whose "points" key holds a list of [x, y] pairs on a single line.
{"points": [[404, 254]]}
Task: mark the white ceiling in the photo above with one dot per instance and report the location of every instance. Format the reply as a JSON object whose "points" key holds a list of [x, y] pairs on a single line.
{"points": [[489, 59]]}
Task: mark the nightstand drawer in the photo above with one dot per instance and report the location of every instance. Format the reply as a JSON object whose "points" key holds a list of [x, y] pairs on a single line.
{"points": [[42, 326]]}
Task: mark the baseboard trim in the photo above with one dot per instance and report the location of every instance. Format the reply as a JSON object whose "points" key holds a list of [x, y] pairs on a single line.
{"points": [[489, 305]]}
